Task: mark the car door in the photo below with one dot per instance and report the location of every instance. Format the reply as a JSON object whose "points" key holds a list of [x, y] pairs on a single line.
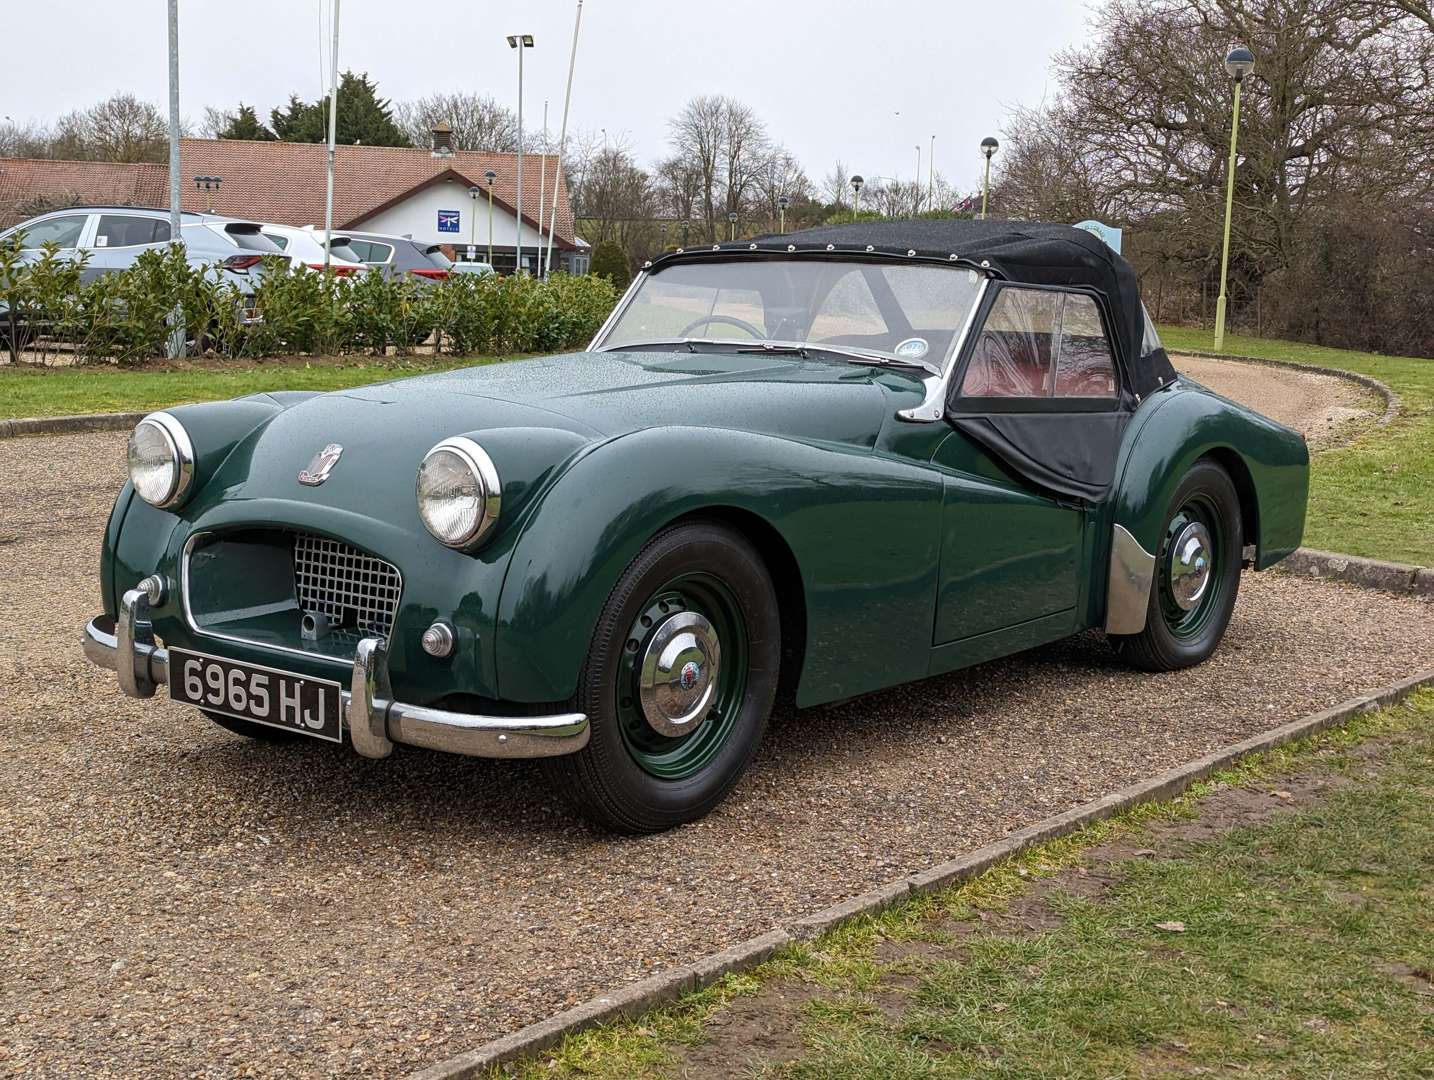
{"points": [[65, 231], [120, 238], [1037, 412]]}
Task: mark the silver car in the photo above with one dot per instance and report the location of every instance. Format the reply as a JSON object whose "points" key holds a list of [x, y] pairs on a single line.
{"points": [[113, 237]]}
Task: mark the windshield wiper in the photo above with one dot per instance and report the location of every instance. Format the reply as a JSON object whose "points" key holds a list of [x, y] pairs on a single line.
{"points": [[784, 348]]}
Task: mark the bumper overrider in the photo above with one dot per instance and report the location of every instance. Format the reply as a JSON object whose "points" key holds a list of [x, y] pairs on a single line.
{"points": [[373, 719]]}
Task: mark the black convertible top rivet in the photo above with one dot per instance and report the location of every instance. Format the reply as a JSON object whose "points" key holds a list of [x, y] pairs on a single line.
{"points": [[870, 248], [680, 250], [751, 247], [716, 247], [791, 247], [831, 247], [910, 252]]}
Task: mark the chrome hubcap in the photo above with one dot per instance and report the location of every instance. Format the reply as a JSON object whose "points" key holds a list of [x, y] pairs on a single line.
{"points": [[1191, 560], [678, 678]]}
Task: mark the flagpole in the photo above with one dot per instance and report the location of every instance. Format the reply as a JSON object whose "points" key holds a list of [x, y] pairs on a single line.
{"points": [[562, 140]]}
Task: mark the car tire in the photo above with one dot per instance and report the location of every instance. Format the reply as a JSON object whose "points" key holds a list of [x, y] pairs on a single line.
{"points": [[696, 593], [1183, 624], [251, 730]]}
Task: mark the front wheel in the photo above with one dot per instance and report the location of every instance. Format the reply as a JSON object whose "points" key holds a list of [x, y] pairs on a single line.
{"points": [[1197, 575], [678, 684]]}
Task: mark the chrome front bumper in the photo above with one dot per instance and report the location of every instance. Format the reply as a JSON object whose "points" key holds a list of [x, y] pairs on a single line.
{"points": [[374, 720]]}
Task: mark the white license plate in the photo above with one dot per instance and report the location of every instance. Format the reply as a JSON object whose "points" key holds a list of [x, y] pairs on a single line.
{"points": [[261, 695]]}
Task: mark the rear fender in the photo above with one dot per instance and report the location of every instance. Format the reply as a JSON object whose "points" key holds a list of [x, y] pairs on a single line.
{"points": [[1172, 430], [863, 529]]}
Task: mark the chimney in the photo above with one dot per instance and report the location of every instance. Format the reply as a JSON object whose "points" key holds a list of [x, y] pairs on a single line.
{"points": [[442, 140]]}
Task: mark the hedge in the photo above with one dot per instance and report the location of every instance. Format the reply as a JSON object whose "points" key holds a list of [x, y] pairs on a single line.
{"points": [[48, 310]]}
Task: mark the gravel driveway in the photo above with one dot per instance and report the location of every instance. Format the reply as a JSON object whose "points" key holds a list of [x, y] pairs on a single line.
{"points": [[179, 901]]}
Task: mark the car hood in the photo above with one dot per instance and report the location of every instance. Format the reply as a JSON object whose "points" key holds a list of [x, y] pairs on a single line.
{"points": [[531, 415]]}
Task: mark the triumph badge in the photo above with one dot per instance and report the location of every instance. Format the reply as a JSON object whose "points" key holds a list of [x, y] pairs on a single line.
{"points": [[323, 464]]}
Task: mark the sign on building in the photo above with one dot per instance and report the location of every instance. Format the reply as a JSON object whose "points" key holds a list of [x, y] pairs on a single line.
{"points": [[448, 220]]}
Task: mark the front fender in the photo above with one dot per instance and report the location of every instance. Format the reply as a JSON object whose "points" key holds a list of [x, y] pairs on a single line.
{"points": [[863, 528], [1175, 428]]}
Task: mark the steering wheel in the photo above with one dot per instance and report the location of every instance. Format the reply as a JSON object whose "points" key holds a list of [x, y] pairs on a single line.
{"points": [[726, 320]]}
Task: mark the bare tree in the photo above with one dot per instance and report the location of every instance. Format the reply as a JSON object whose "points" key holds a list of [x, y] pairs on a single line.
{"points": [[478, 121], [120, 128], [836, 184], [24, 140], [697, 133]]}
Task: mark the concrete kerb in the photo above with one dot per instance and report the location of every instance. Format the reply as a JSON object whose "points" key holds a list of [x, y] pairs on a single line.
{"points": [[69, 425], [1391, 399], [668, 986], [1366, 573]]}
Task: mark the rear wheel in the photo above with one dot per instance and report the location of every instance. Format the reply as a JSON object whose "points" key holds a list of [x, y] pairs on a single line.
{"points": [[1197, 575], [251, 730], [678, 684]]}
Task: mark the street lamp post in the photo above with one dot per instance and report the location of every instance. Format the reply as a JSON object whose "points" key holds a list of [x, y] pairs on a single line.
{"points": [[782, 204], [490, 176], [1239, 62], [474, 193], [856, 182], [989, 146], [918, 178], [732, 224], [520, 42]]}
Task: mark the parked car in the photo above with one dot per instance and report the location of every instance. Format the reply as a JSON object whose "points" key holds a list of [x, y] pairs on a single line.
{"points": [[400, 256], [481, 269], [112, 237], [306, 246], [823, 463]]}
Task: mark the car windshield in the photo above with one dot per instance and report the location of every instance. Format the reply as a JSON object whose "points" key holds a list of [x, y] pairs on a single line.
{"points": [[903, 313]]}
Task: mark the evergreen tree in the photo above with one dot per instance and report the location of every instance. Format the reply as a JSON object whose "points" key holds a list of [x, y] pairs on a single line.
{"points": [[244, 123], [610, 262], [363, 117]]}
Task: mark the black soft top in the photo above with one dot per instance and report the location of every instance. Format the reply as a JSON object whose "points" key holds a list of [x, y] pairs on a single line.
{"points": [[1033, 252]]}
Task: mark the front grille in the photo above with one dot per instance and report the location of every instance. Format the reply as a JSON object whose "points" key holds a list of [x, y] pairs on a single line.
{"points": [[355, 591]]}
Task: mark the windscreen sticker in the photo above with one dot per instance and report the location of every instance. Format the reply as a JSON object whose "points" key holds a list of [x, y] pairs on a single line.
{"points": [[913, 348]]}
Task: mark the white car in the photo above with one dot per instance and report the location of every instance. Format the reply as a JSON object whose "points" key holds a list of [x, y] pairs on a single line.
{"points": [[306, 246]]}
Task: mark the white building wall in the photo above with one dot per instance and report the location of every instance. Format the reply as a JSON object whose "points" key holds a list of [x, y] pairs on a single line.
{"points": [[418, 216]]}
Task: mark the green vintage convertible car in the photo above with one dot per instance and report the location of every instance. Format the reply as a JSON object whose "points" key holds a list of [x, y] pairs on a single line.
{"points": [[816, 464]]}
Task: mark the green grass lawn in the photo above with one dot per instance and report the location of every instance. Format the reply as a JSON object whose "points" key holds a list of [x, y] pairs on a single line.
{"points": [[1375, 495], [28, 391], [1297, 944]]}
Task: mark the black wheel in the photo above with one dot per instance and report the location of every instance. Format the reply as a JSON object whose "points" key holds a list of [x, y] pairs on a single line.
{"points": [[1197, 575], [251, 730], [678, 683]]}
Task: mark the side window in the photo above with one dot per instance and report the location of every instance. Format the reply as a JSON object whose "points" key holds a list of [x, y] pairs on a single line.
{"points": [[123, 230], [1084, 366], [849, 310], [1012, 357], [64, 231], [280, 241]]}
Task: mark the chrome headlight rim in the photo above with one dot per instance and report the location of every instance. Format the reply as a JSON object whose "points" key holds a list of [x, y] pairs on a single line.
{"points": [[181, 451], [477, 461]]}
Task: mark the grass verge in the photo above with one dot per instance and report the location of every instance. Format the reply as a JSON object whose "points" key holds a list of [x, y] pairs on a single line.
{"points": [[1373, 496], [31, 391], [1300, 943]]}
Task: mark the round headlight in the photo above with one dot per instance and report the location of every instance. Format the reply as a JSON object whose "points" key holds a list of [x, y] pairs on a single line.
{"points": [[459, 494], [161, 460]]}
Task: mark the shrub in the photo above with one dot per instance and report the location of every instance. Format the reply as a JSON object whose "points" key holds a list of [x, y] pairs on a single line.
{"points": [[609, 261]]}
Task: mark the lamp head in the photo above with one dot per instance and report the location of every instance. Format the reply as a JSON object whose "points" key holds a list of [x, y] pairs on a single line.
{"points": [[783, 202], [1239, 62], [490, 176], [517, 40], [989, 146], [474, 191], [856, 182], [732, 217]]}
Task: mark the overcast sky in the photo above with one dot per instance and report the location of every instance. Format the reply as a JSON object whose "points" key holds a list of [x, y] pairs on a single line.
{"points": [[861, 81]]}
